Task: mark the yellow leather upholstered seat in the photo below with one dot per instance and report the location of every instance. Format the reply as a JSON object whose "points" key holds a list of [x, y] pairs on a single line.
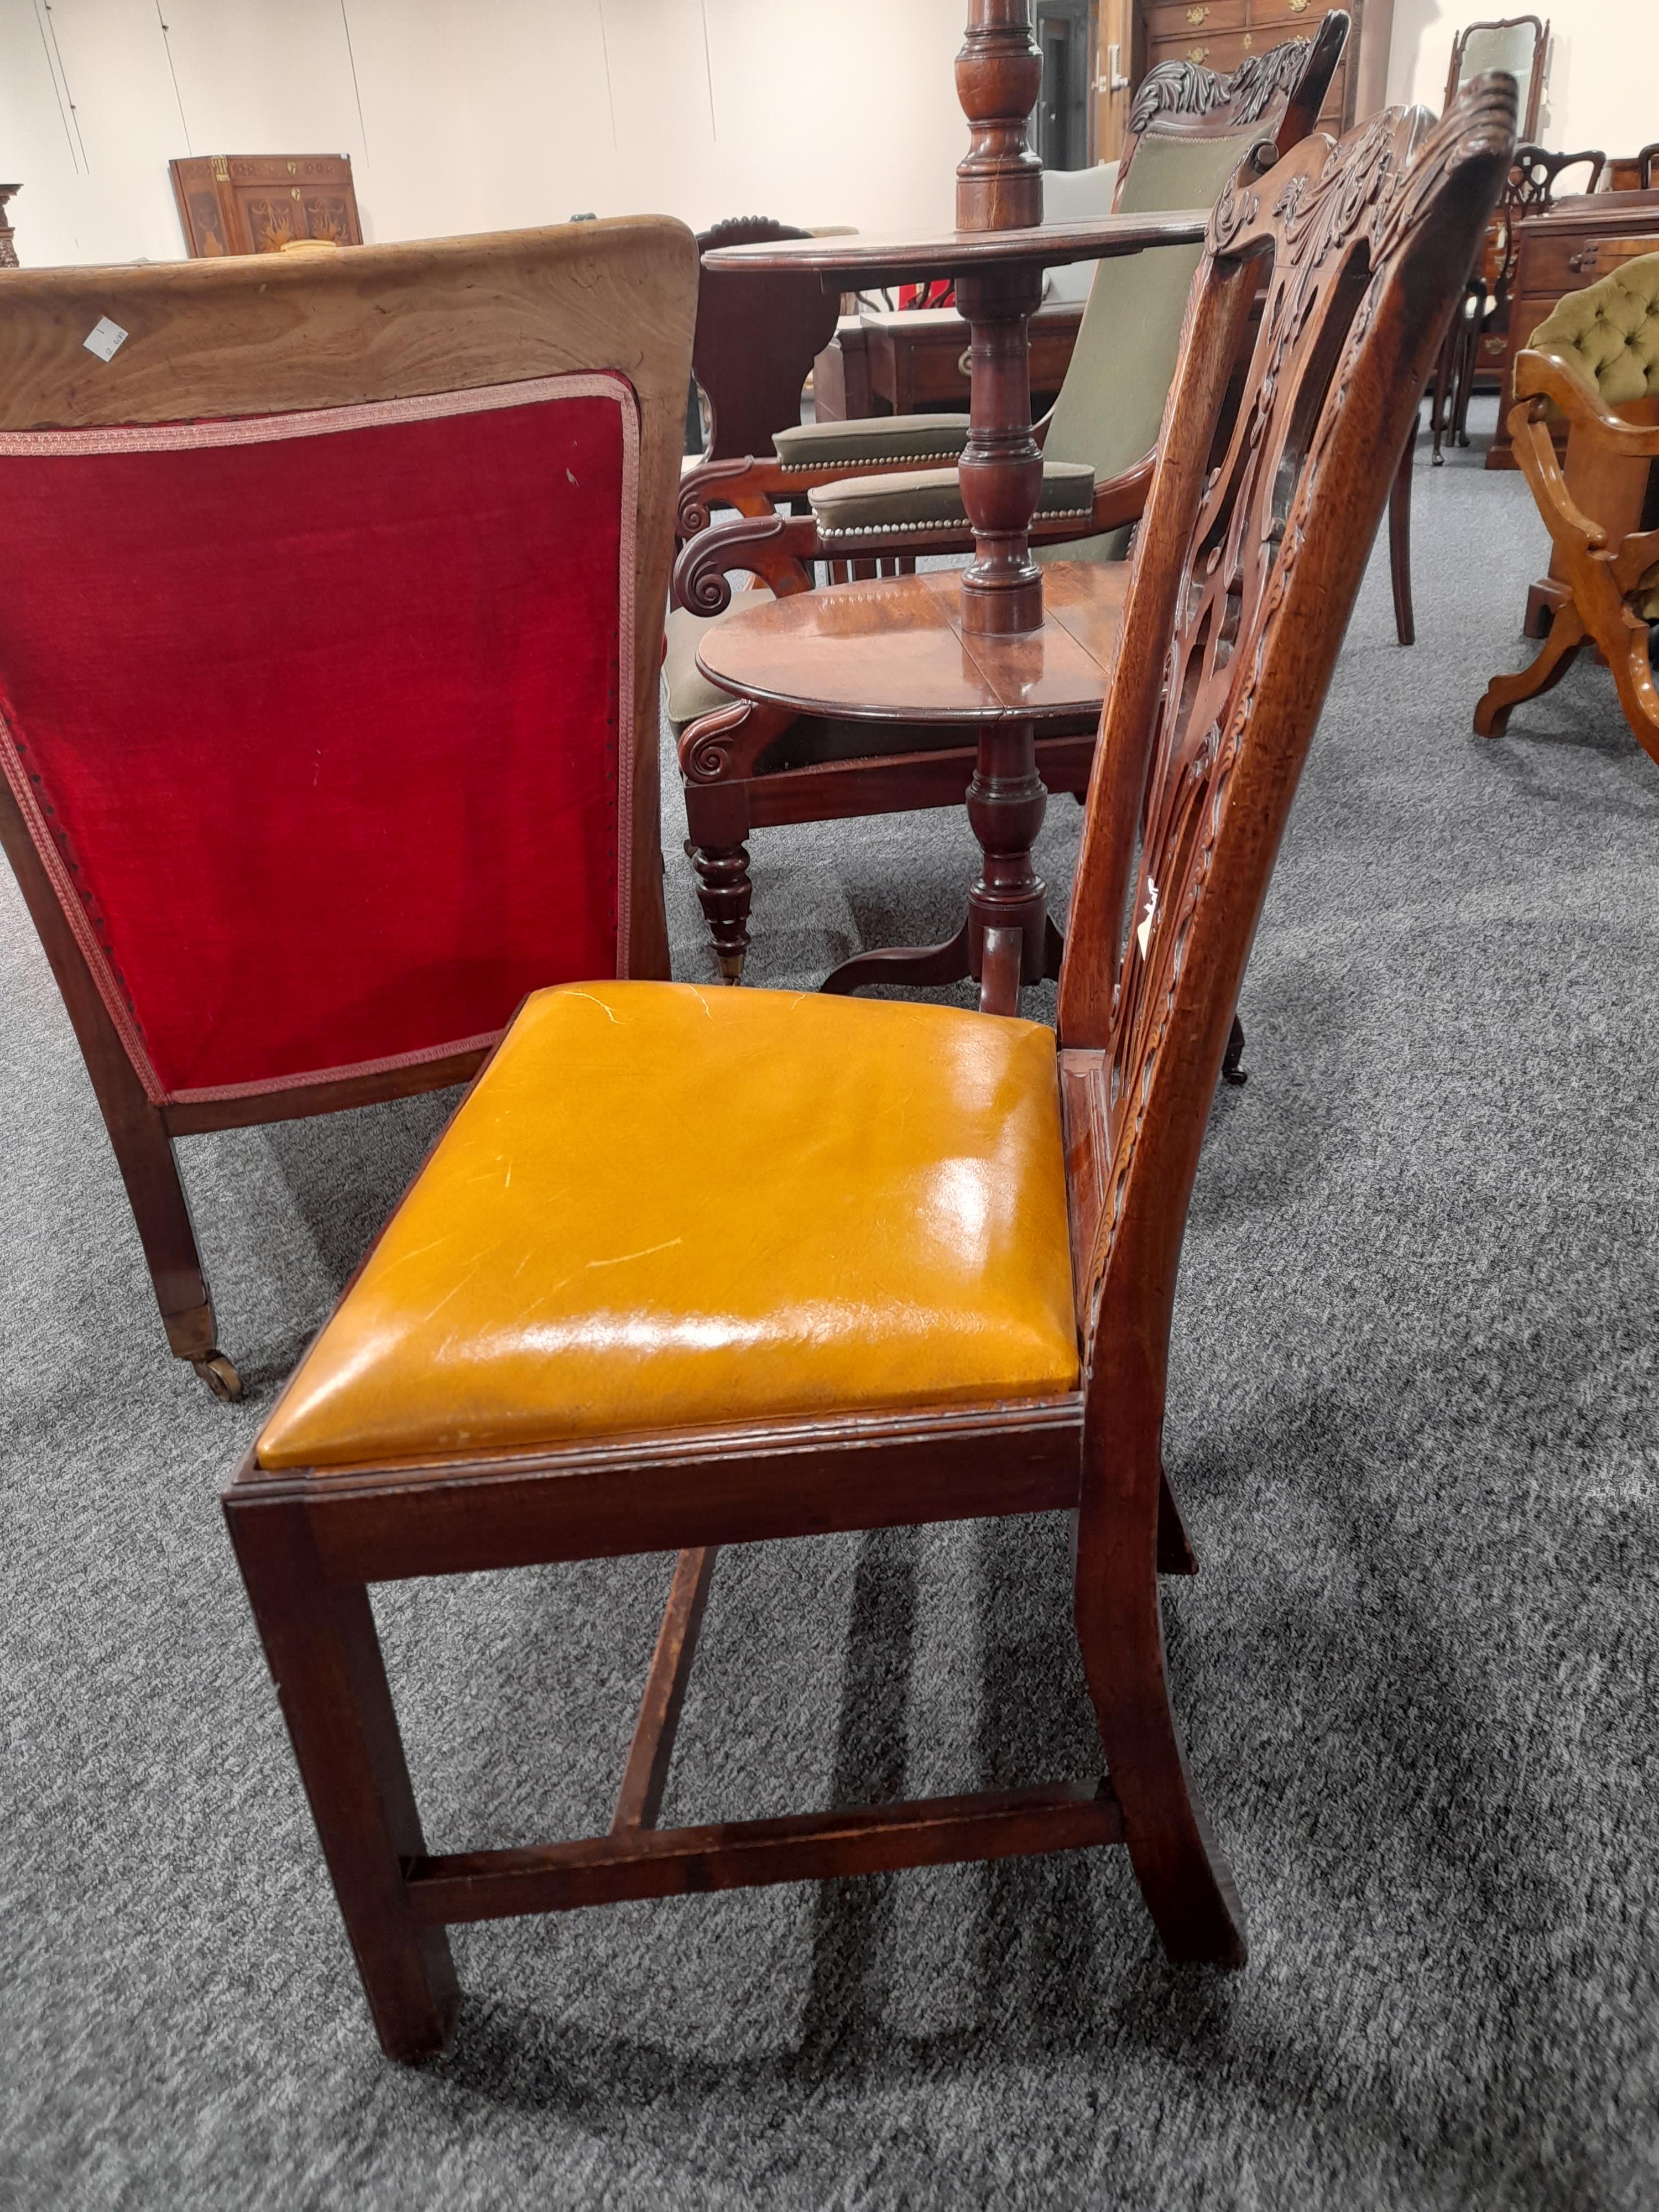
{"points": [[664, 1207]]}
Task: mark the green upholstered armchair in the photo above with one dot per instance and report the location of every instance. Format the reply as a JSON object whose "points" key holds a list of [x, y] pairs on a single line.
{"points": [[1593, 362], [884, 489]]}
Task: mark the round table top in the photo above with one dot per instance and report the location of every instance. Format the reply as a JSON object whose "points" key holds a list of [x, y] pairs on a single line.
{"points": [[893, 649], [876, 260]]}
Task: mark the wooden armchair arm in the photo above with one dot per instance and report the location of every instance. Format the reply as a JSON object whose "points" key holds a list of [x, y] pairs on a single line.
{"points": [[780, 548], [1540, 376], [776, 548], [752, 484]]}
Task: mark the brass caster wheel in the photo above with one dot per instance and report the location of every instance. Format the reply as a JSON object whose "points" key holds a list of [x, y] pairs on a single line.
{"points": [[221, 1377]]}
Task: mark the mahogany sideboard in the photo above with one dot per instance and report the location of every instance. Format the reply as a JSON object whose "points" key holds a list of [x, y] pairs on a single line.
{"points": [[1581, 239], [894, 364]]}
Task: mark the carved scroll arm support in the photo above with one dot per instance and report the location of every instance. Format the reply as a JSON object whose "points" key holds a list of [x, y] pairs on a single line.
{"points": [[1540, 375], [728, 743]]}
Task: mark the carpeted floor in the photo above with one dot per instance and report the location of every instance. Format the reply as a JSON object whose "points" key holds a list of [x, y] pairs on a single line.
{"points": [[1412, 1419]]}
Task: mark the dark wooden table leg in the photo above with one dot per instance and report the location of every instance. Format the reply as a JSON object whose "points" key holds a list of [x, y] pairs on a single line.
{"points": [[1007, 939], [1006, 802]]}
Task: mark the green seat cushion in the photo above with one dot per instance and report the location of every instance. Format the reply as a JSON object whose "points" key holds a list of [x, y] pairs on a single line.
{"points": [[868, 442], [690, 694], [1610, 330], [932, 500]]}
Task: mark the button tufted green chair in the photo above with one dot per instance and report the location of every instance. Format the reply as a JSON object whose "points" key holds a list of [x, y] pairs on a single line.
{"points": [[1593, 362], [747, 765]]}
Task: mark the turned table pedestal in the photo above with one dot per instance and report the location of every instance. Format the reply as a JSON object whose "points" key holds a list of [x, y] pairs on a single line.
{"points": [[988, 647], [896, 650]]}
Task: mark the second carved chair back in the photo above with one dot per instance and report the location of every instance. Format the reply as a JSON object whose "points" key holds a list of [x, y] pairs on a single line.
{"points": [[1188, 130]]}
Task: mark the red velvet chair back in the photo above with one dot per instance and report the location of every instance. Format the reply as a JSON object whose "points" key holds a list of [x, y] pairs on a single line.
{"points": [[332, 592], [323, 722]]}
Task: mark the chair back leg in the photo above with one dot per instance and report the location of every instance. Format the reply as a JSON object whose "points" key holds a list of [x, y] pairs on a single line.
{"points": [[1183, 1874]]}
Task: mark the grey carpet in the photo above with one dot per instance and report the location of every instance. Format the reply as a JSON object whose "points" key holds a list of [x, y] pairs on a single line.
{"points": [[1413, 1418]]}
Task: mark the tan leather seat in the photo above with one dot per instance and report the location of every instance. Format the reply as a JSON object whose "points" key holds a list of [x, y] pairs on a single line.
{"points": [[667, 1206]]}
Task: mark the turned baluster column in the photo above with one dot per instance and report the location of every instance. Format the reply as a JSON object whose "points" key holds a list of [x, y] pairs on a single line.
{"points": [[999, 187]]}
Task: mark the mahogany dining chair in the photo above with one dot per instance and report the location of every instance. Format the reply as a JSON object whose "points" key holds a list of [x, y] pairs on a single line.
{"points": [[949, 1289]]}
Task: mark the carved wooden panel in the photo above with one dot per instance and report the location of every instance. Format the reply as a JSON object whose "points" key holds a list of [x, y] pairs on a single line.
{"points": [[1224, 35], [260, 203], [1264, 560]]}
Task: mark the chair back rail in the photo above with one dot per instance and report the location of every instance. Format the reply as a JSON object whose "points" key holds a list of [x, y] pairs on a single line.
{"points": [[1244, 577]]}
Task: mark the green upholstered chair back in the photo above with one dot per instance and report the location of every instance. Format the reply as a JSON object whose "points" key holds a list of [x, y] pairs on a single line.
{"points": [[1610, 330], [1111, 405]]}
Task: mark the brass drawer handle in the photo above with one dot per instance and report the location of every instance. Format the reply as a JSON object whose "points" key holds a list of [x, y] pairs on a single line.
{"points": [[1196, 53], [1298, 7], [1197, 15]]}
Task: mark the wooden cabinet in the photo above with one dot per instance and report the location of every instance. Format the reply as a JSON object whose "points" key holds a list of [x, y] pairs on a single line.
{"points": [[1581, 239], [896, 364], [260, 203], [1221, 34]]}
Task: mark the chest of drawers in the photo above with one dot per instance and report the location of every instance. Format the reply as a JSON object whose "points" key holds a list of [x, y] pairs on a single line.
{"points": [[1221, 34]]}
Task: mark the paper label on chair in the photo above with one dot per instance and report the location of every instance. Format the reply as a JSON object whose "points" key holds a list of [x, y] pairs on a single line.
{"points": [[1143, 932], [105, 338]]}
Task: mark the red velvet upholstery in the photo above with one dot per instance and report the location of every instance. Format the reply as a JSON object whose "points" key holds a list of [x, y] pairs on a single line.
{"points": [[319, 719]]}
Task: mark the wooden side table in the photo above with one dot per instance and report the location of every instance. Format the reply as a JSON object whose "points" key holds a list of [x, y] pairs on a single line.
{"points": [[995, 656], [894, 650]]}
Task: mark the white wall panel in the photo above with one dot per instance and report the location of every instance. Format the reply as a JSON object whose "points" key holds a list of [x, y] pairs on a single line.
{"points": [[1603, 87]]}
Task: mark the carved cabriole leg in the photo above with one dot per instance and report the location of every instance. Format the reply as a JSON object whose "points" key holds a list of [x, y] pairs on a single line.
{"points": [[1184, 1878], [1560, 650], [324, 1657]]}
